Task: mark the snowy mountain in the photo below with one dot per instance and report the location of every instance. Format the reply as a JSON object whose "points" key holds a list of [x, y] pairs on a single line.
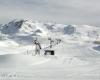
{"points": [[22, 27], [31, 28], [73, 59]]}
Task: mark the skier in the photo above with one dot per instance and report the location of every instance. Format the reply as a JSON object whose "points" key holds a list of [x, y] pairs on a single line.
{"points": [[58, 41], [37, 47], [51, 42]]}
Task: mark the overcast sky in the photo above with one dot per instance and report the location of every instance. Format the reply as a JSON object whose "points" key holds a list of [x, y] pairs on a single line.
{"points": [[60, 11]]}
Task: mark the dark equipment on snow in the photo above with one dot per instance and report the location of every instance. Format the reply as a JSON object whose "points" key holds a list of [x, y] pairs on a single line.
{"points": [[49, 52]]}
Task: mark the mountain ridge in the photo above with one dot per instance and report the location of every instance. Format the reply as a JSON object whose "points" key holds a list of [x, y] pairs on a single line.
{"points": [[36, 28]]}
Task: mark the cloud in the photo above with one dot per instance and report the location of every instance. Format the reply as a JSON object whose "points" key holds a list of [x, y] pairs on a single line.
{"points": [[60, 11]]}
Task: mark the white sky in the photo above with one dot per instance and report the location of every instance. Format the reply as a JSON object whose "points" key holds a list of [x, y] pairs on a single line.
{"points": [[60, 11]]}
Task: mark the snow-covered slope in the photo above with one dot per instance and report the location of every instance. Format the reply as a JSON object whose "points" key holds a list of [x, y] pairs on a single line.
{"points": [[74, 59]]}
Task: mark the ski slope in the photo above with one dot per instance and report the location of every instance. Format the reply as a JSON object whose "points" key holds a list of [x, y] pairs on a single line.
{"points": [[72, 61]]}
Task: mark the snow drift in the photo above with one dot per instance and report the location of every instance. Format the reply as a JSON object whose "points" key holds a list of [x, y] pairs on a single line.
{"points": [[17, 60]]}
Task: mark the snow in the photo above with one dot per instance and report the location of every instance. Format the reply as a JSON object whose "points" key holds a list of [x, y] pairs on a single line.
{"points": [[74, 59], [31, 28]]}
